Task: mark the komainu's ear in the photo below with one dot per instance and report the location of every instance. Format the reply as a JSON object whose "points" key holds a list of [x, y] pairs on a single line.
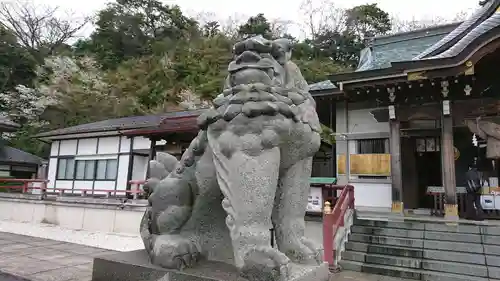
{"points": [[285, 43]]}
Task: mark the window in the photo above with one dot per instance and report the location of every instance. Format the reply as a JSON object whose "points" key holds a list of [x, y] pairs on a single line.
{"points": [[101, 170], [372, 146], [107, 169], [80, 170], [111, 169], [87, 169], [65, 168]]}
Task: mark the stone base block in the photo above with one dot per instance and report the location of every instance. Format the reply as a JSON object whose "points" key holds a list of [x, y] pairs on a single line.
{"points": [[135, 266]]}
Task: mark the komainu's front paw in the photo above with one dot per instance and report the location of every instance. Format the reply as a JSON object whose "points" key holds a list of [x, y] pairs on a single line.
{"points": [[174, 251], [317, 251], [265, 264], [303, 251]]}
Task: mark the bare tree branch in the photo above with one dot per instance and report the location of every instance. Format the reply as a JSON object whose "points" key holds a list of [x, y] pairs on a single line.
{"points": [[230, 25], [400, 25], [320, 18], [280, 27], [38, 28]]}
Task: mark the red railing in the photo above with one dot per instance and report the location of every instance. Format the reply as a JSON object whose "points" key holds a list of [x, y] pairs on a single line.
{"points": [[28, 184], [24, 185], [333, 220]]}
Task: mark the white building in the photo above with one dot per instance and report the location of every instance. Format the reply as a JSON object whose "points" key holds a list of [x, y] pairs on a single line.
{"points": [[106, 155]]}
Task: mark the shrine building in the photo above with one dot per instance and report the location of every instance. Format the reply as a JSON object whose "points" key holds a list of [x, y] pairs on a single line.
{"points": [[406, 118]]}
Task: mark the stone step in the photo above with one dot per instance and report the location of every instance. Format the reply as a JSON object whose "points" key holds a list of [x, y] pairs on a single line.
{"points": [[384, 250], [452, 236], [414, 224], [491, 240], [491, 230], [382, 259], [454, 246], [390, 224], [394, 232], [422, 253], [415, 263], [459, 228], [384, 240], [424, 244], [409, 273], [494, 271], [431, 235]]}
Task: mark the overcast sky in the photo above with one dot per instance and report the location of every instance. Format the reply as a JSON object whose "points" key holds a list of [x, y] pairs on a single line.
{"points": [[290, 9]]}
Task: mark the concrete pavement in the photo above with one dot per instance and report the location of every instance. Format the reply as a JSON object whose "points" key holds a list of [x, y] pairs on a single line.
{"points": [[26, 258], [38, 259]]}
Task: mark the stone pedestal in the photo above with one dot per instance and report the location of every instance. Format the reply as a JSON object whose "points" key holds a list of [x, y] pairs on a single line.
{"points": [[135, 266]]}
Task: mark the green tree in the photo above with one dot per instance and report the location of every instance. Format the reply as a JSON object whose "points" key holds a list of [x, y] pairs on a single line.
{"points": [[256, 25], [211, 29], [344, 38], [131, 28], [315, 70], [16, 65], [367, 21]]}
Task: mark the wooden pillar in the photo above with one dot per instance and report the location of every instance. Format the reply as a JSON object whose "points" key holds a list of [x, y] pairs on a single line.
{"points": [[333, 156], [448, 161], [152, 153], [395, 150], [347, 143]]}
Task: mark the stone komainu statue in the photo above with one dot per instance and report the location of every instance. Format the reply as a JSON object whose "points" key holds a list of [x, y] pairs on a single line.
{"points": [[247, 171]]}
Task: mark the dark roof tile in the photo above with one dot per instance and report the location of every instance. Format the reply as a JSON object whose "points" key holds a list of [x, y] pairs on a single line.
{"points": [[125, 123], [461, 30], [401, 47], [482, 28], [14, 155]]}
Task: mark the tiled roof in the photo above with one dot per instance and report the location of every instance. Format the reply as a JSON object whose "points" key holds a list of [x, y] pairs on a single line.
{"points": [[462, 29], [483, 21], [126, 123], [401, 47], [480, 28], [323, 85], [14, 155]]}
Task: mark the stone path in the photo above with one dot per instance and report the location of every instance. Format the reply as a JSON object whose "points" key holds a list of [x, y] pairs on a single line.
{"points": [[38, 259], [358, 276], [26, 258]]}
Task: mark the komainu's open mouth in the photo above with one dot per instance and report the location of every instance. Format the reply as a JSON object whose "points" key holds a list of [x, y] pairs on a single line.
{"points": [[250, 67], [255, 62]]}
